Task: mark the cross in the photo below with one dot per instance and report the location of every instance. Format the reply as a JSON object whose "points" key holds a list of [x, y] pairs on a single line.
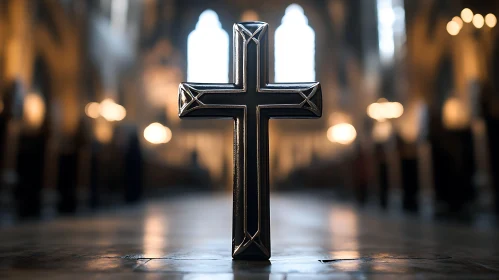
{"points": [[250, 101]]}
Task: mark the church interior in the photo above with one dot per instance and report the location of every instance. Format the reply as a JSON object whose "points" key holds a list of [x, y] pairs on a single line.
{"points": [[101, 179]]}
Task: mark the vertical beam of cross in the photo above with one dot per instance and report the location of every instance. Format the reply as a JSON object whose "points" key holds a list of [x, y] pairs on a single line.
{"points": [[250, 101]]}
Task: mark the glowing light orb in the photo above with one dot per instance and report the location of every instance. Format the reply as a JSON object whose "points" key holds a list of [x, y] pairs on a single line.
{"points": [[92, 110], [478, 21], [157, 133], [375, 111], [111, 111], [455, 114], [467, 15], [459, 21], [383, 110], [453, 28], [491, 20], [342, 133], [34, 110], [393, 110]]}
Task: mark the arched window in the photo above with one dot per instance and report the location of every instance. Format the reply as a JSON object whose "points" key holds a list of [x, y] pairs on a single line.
{"points": [[294, 47], [208, 51]]}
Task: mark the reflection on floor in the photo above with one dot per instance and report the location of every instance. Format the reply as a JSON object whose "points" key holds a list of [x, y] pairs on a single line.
{"points": [[189, 237]]}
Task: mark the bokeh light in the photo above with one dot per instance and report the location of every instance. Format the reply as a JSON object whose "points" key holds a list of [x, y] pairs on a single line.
{"points": [[157, 133], [375, 111], [393, 110], [383, 110], [455, 114], [478, 21], [111, 111], [467, 15], [491, 20], [34, 110], [343, 133], [92, 110], [459, 21], [453, 28]]}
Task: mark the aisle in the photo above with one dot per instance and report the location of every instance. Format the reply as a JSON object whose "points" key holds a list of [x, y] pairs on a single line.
{"points": [[189, 238]]}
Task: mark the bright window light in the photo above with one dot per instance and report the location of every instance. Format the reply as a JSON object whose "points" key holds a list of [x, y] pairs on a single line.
{"points": [[391, 28], [294, 48], [208, 51], [119, 11]]}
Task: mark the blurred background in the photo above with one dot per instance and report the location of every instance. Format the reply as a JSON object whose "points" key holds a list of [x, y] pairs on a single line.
{"points": [[88, 102]]}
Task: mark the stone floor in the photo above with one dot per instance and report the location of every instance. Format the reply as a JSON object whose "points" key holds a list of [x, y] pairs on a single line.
{"points": [[189, 237]]}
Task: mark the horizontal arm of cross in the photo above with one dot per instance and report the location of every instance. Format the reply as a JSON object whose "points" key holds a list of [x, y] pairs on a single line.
{"points": [[192, 103], [292, 100]]}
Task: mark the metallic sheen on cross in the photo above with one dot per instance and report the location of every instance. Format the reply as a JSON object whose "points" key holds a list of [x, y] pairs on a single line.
{"points": [[250, 101]]}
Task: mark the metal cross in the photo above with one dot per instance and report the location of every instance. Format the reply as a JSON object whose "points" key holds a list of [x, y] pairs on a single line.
{"points": [[250, 101]]}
